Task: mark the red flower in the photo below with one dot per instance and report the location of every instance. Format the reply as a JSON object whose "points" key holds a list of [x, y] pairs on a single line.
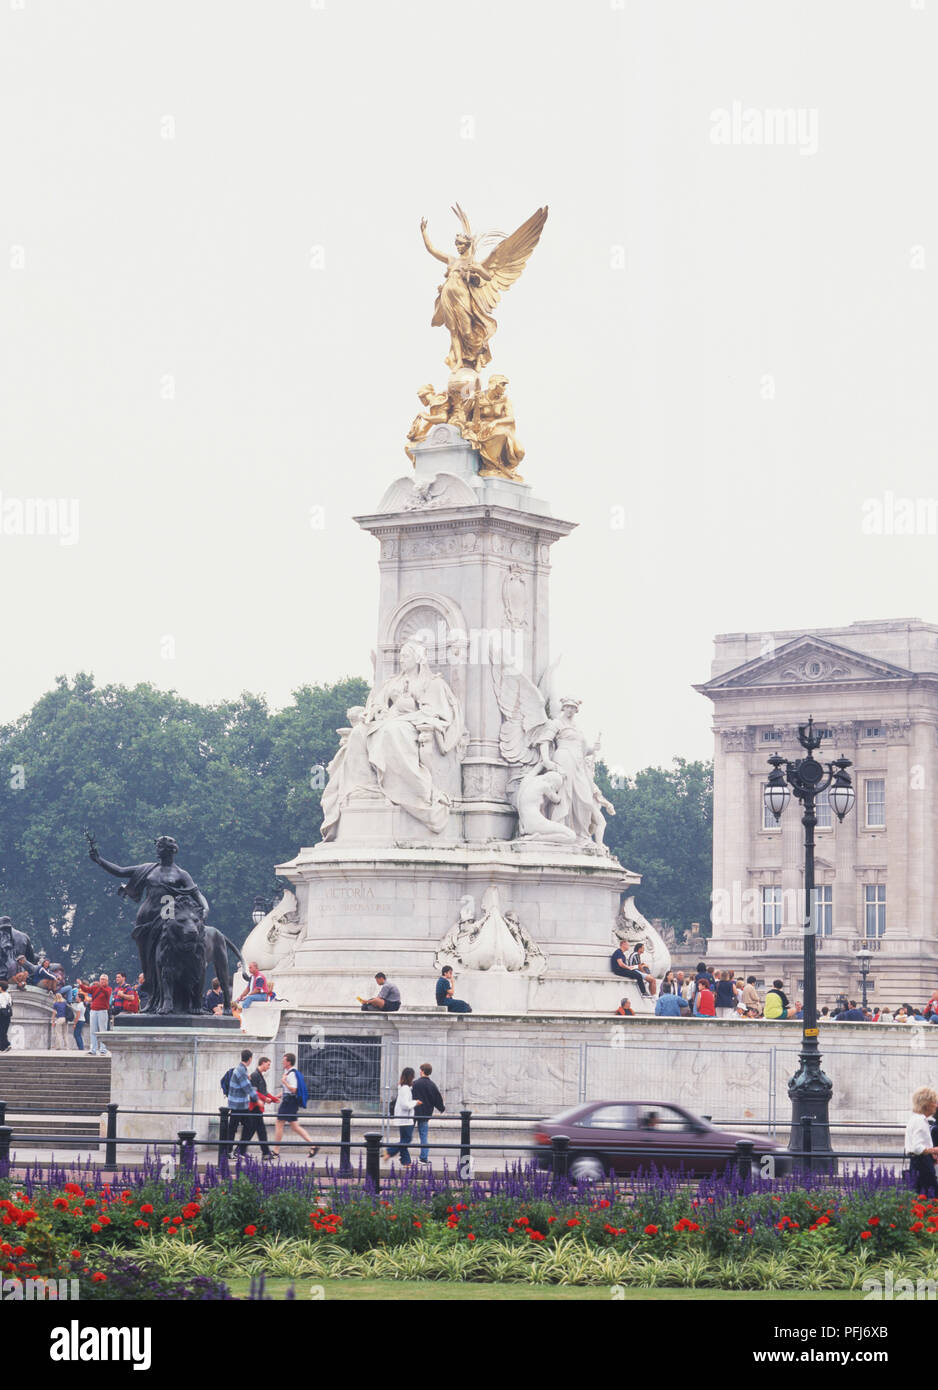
{"points": [[147, 1209], [95, 1226], [651, 1230], [19, 1250], [74, 1189], [76, 1254], [144, 1225], [60, 1202], [89, 1202], [865, 1235], [573, 1221], [917, 1226], [250, 1230], [98, 1278], [873, 1221]]}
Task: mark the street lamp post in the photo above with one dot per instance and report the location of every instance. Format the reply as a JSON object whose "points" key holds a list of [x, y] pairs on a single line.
{"points": [[261, 909], [809, 1089], [864, 960]]}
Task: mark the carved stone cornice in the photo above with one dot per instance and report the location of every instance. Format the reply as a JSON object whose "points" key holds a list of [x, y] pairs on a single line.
{"points": [[898, 730], [739, 740]]}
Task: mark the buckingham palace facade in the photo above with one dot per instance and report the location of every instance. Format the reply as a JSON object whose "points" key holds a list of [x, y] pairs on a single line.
{"points": [[872, 689]]}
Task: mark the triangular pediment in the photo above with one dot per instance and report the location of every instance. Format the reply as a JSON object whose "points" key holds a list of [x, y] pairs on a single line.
{"points": [[807, 661]]}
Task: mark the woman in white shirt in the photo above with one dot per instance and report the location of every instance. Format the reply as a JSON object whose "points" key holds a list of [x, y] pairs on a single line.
{"points": [[404, 1106], [918, 1142]]}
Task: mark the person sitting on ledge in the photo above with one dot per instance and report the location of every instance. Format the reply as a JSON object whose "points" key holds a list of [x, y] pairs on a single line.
{"points": [[625, 1009], [257, 988], [622, 965], [444, 993], [387, 999]]}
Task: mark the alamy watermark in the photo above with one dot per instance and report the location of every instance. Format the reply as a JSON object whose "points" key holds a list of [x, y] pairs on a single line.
{"points": [[795, 127], [40, 516]]}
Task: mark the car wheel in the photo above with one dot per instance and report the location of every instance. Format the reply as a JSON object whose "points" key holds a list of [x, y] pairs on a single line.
{"points": [[587, 1168]]}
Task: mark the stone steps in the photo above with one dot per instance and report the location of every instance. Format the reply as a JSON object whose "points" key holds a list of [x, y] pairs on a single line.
{"points": [[60, 1083]]}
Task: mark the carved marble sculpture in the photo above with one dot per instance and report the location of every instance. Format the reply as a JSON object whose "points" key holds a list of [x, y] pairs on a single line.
{"points": [[386, 753], [540, 742], [497, 941]]}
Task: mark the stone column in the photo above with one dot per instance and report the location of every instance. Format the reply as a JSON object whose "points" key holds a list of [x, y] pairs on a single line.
{"points": [[732, 829], [898, 847]]}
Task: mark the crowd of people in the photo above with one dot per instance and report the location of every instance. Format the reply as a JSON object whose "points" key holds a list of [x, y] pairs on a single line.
{"points": [[712, 993]]}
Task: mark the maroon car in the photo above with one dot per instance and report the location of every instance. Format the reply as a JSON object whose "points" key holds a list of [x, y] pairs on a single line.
{"points": [[620, 1137]]}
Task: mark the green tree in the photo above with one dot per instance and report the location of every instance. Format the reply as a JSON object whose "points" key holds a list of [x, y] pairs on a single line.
{"points": [[663, 829]]}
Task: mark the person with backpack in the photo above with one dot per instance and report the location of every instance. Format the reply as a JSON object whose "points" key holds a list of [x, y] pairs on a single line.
{"points": [[293, 1094], [776, 1002], [240, 1095]]}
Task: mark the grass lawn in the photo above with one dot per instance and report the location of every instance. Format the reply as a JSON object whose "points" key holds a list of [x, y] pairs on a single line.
{"points": [[377, 1290]]}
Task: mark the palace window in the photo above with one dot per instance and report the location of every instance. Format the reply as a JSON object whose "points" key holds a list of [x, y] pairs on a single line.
{"points": [[873, 731], [822, 910], [771, 911], [876, 802], [822, 805], [771, 736], [875, 903]]}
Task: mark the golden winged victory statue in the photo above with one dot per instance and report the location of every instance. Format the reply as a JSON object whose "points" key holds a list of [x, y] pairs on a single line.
{"points": [[472, 288], [470, 291]]}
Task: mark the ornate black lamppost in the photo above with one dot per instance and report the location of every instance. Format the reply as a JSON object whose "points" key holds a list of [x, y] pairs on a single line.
{"points": [[864, 961], [809, 1089], [261, 909]]}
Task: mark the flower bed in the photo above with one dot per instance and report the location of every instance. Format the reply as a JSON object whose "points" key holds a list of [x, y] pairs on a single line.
{"points": [[526, 1221]]}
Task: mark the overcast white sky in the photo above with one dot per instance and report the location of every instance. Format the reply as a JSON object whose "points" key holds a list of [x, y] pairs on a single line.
{"points": [[734, 342]]}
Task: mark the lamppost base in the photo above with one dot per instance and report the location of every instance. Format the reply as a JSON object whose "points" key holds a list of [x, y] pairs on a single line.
{"points": [[810, 1091]]}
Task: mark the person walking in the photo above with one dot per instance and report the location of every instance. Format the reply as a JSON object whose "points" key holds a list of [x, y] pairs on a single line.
{"points": [[100, 1003], [6, 1015], [289, 1107], [919, 1144], [427, 1098], [254, 1127], [59, 1024], [404, 1114], [241, 1094]]}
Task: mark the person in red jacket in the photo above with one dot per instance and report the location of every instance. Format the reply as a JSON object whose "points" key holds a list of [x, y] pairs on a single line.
{"points": [[706, 1005], [100, 993]]}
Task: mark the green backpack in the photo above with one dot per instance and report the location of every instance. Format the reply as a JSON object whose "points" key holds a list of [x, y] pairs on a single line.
{"points": [[773, 1004]]}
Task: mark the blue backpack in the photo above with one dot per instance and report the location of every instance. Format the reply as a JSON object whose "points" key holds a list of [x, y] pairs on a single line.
{"points": [[302, 1094]]}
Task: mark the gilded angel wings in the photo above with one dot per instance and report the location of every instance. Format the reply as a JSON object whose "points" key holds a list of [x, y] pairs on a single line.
{"points": [[509, 257]]}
